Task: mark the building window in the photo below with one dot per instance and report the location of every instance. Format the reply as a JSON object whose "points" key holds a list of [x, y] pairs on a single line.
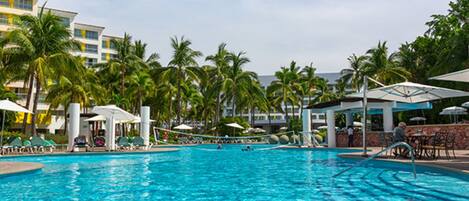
{"points": [[321, 116], [92, 35], [104, 44], [91, 61], [3, 19], [77, 33], [103, 57], [24, 4], [91, 48], [113, 56], [112, 45], [65, 21]]}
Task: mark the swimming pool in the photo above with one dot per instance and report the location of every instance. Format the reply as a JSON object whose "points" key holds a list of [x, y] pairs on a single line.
{"points": [[204, 173]]}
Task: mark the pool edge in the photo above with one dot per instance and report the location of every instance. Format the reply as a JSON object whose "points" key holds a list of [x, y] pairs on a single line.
{"points": [[13, 168]]}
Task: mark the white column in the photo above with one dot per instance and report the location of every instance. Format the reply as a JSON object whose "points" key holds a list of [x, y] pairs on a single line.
{"points": [[145, 124], [330, 117], [306, 127], [110, 134], [387, 117], [348, 119], [74, 124]]}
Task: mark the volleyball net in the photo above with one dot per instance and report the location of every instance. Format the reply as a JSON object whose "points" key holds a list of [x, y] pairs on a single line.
{"points": [[225, 137]]}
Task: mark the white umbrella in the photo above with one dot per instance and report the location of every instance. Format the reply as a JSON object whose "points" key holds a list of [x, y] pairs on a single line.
{"points": [[466, 104], [259, 130], [235, 125], [459, 76], [409, 92], [97, 118], [356, 123], [7, 105], [322, 127], [183, 127], [284, 128], [112, 111], [418, 119], [454, 111]]}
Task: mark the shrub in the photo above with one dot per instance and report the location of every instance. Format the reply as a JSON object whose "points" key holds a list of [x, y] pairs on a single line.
{"points": [[273, 139], [284, 139]]}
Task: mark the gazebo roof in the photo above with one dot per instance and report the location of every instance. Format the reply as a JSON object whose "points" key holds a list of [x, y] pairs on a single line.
{"points": [[355, 105]]}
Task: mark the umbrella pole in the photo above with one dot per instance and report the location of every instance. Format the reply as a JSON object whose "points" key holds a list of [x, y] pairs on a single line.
{"points": [[365, 110]]}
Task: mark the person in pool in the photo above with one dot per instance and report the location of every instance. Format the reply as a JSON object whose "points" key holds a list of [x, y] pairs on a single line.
{"points": [[219, 146], [248, 148]]}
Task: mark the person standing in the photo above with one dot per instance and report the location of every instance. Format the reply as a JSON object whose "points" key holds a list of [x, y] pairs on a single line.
{"points": [[350, 136]]}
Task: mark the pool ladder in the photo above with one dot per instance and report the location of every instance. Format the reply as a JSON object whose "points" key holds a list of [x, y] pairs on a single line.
{"points": [[379, 153]]}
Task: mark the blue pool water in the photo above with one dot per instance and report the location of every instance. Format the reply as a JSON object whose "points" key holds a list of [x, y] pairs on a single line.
{"points": [[204, 173]]}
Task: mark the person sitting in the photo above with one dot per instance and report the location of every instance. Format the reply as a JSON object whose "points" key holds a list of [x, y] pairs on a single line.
{"points": [[399, 136], [399, 132]]}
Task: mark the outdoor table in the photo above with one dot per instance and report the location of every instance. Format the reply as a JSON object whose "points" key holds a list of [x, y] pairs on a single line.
{"points": [[417, 141]]}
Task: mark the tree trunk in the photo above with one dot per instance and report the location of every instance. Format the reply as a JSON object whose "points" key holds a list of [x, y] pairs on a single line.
{"points": [[28, 102], [122, 81], [170, 111], [178, 97], [217, 111], [36, 99], [233, 104], [252, 117], [293, 110], [66, 119]]}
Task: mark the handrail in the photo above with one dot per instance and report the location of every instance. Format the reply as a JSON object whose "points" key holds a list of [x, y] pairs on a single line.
{"points": [[382, 151]]}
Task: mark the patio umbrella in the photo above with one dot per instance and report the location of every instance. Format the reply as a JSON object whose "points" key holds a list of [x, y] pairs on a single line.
{"points": [[466, 104], [357, 124], [7, 105], [459, 76], [114, 112], [183, 127], [418, 119], [454, 112], [97, 118], [259, 130], [235, 125], [409, 92]]}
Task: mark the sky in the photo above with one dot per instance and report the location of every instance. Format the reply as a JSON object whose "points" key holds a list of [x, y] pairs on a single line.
{"points": [[271, 32]]}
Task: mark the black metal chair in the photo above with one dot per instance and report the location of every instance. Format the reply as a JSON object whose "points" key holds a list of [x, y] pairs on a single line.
{"points": [[450, 144], [436, 144], [81, 142]]}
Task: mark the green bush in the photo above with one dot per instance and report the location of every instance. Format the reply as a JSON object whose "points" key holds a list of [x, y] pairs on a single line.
{"points": [[319, 138]]}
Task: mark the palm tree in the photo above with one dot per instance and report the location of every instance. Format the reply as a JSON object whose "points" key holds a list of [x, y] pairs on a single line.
{"points": [[47, 44], [282, 88], [183, 64], [221, 61], [237, 80], [140, 51], [309, 80], [382, 67], [141, 85], [355, 74]]}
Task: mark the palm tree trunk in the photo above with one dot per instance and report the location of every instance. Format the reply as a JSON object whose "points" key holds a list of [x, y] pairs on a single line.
{"points": [[65, 118], [217, 111], [122, 81], [178, 97], [170, 111], [36, 99], [233, 104], [252, 117], [293, 110], [28, 102]]}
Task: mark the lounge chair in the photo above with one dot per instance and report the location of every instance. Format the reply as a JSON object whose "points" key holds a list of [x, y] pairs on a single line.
{"points": [[123, 143], [81, 142], [37, 143], [98, 142], [138, 142], [27, 145], [13, 146], [50, 144]]}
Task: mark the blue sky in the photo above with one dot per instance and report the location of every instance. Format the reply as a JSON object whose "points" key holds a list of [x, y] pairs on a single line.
{"points": [[272, 32]]}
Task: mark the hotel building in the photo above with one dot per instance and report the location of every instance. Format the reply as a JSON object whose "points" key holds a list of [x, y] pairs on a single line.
{"points": [[96, 47]]}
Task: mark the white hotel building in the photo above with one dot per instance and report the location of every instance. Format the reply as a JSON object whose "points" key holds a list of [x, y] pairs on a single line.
{"points": [[96, 47]]}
